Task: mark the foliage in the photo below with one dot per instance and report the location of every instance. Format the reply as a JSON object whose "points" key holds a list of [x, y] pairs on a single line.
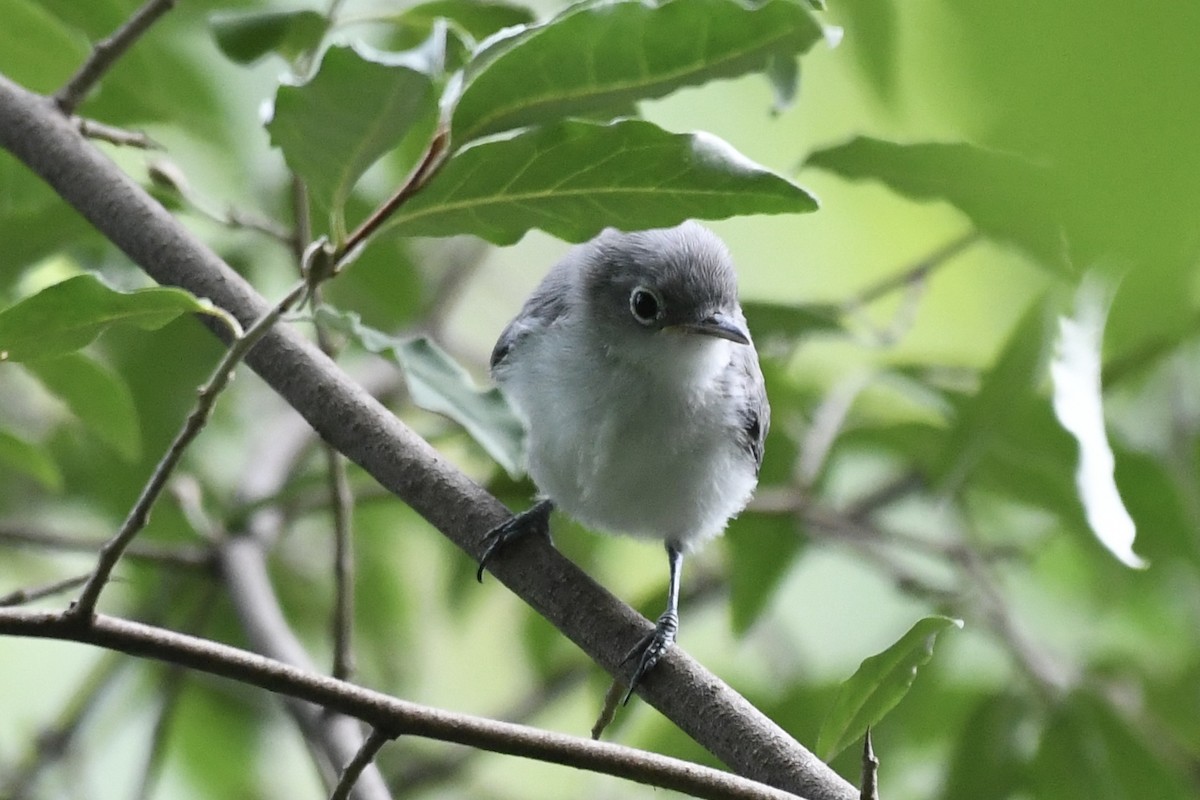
{"points": [[932, 405]]}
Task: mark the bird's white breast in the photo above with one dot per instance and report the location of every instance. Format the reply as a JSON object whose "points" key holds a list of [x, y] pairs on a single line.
{"points": [[647, 447]]}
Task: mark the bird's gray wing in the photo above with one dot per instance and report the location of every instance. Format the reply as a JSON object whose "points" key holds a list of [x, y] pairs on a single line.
{"points": [[549, 302], [754, 415]]}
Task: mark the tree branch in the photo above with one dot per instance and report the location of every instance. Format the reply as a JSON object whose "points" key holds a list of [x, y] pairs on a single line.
{"points": [[347, 417], [365, 755], [383, 711], [180, 557], [106, 52]]}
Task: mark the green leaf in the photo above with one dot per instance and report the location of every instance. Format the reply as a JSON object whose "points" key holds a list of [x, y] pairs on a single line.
{"points": [[598, 56], [761, 549], [478, 19], [29, 459], [995, 407], [1008, 198], [989, 761], [1088, 752], [36, 49], [879, 684], [64, 317], [871, 27], [439, 384], [792, 322], [246, 36], [359, 104], [575, 178], [97, 396], [1079, 407]]}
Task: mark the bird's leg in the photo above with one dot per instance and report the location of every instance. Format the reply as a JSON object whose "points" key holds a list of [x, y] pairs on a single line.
{"points": [[654, 644], [535, 519]]}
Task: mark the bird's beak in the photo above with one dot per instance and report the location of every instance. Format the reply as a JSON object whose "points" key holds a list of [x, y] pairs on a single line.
{"points": [[717, 325]]}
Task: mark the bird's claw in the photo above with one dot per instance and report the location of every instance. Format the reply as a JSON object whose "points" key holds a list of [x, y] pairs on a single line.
{"points": [[651, 647], [535, 519]]}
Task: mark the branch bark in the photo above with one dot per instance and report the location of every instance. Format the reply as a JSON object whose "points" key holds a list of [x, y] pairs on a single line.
{"points": [[388, 713], [351, 420]]}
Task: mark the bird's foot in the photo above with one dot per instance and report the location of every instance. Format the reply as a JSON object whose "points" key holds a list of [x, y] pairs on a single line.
{"points": [[651, 648], [535, 519]]}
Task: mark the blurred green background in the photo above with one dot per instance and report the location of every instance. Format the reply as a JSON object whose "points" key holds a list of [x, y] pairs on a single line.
{"points": [[1073, 676]]}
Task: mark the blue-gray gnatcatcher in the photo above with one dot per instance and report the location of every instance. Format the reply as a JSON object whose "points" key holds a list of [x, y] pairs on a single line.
{"points": [[640, 389]]}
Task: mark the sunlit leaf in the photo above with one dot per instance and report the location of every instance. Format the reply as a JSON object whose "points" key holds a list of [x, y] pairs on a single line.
{"points": [[879, 684], [1008, 198], [97, 396], [575, 178], [437, 383], [1079, 406], [359, 104], [246, 36], [69, 315], [24, 457], [37, 50], [603, 55]]}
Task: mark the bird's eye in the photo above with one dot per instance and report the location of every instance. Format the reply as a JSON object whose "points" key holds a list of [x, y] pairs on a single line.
{"points": [[646, 305]]}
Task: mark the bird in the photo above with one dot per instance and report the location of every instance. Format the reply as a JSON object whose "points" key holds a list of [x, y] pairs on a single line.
{"points": [[632, 369]]}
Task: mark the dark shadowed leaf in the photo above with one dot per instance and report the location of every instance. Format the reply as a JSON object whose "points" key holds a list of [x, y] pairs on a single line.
{"points": [[990, 761], [604, 55], [1111, 759], [761, 549], [879, 684], [246, 36], [69, 315], [29, 459], [782, 320], [575, 178], [437, 383], [1008, 198], [871, 36], [476, 19], [97, 396], [359, 104]]}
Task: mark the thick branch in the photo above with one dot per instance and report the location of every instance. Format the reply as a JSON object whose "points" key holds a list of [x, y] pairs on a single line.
{"points": [[383, 711], [350, 419]]}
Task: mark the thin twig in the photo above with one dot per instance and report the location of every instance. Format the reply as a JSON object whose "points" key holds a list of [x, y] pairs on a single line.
{"points": [[390, 713], [912, 274], [111, 551], [113, 135], [181, 557], [365, 755], [342, 500], [430, 163], [22, 596], [106, 52], [870, 770]]}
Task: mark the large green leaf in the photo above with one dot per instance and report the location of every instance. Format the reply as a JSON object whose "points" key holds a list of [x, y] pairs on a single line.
{"points": [[359, 104], [36, 49], [598, 56], [879, 684], [1111, 759], [246, 36], [761, 549], [1008, 198], [97, 396], [792, 321], [575, 178], [437, 383], [29, 459], [64, 317]]}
